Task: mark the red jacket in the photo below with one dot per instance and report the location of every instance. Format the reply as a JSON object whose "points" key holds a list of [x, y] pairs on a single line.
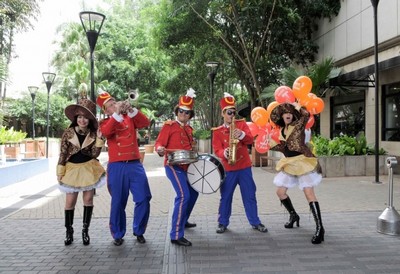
{"points": [[174, 136], [220, 141], [121, 136]]}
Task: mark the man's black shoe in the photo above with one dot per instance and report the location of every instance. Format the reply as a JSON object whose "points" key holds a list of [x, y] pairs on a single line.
{"points": [[118, 242], [140, 238], [221, 229], [261, 228], [190, 225], [182, 241]]}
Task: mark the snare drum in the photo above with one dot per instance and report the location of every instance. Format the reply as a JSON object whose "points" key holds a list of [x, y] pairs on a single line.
{"points": [[180, 157], [207, 174]]}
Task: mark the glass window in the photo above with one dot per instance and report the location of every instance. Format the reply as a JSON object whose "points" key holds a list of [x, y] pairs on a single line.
{"points": [[391, 112], [348, 114]]}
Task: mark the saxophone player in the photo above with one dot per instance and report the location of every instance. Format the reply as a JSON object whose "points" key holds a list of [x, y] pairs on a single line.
{"points": [[235, 158]]}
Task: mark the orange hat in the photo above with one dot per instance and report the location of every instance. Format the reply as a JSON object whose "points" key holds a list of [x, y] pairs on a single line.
{"points": [[103, 98], [227, 102], [187, 102]]}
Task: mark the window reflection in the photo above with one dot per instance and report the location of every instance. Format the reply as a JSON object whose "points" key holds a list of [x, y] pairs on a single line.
{"points": [[391, 112], [348, 114]]}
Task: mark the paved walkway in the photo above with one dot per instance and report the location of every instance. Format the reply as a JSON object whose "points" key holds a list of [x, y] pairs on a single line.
{"points": [[32, 231]]}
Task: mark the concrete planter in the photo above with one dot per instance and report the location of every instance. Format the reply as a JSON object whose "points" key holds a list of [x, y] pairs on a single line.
{"points": [[360, 165], [204, 145]]}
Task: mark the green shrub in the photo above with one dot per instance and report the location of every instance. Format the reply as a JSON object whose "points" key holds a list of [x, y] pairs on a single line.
{"points": [[202, 134], [10, 135], [342, 145]]}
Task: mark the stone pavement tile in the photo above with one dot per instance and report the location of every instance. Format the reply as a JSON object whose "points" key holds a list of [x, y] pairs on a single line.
{"points": [[37, 245]]}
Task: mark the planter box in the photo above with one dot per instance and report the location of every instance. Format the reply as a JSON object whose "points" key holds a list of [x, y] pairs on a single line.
{"points": [[360, 165], [204, 146]]}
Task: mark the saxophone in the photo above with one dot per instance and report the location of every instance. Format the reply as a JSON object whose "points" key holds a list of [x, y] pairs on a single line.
{"points": [[232, 143]]}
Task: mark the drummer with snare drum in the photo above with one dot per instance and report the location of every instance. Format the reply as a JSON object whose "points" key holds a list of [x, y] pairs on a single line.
{"points": [[176, 143], [238, 172]]}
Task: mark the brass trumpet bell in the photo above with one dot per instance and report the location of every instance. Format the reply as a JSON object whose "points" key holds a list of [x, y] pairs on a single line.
{"points": [[133, 95]]}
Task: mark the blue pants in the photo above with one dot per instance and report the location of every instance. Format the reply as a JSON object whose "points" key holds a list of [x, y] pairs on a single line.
{"points": [[243, 178], [122, 179], [185, 199]]}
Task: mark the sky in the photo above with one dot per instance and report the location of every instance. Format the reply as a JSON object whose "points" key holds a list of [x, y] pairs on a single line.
{"points": [[34, 48]]}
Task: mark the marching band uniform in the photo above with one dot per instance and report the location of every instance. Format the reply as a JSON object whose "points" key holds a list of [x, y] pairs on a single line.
{"points": [[125, 171], [237, 174], [178, 135]]}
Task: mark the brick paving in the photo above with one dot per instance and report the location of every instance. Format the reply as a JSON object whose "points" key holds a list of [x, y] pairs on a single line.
{"points": [[32, 232]]}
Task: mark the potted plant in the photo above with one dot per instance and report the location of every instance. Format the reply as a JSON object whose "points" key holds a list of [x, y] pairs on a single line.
{"points": [[203, 137], [345, 156], [9, 142]]}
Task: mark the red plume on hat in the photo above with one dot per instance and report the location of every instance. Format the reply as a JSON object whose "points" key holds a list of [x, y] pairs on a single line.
{"points": [[227, 102], [187, 101]]}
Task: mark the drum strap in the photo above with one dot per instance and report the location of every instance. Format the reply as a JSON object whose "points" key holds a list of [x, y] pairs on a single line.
{"points": [[190, 139]]}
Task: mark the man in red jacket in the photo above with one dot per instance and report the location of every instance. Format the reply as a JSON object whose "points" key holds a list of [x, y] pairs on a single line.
{"points": [[175, 136], [238, 173], [125, 172]]}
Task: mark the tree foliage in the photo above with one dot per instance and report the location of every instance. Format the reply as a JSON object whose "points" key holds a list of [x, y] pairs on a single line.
{"points": [[259, 37]]}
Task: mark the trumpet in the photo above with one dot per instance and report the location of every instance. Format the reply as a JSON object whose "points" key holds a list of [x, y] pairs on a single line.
{"points": [[133, 95]]}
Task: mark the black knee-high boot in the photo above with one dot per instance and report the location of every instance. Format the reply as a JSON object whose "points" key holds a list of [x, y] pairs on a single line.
{"points": [[294, 218], [320, 231], [69, 221], [87, 216]]}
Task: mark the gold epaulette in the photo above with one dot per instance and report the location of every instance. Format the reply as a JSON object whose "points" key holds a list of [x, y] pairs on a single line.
{"points": [[169, 122], [215, 128], [241, 120]]}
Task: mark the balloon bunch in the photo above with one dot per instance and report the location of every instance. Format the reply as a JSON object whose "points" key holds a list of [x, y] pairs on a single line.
{"points": [[261, 125]]}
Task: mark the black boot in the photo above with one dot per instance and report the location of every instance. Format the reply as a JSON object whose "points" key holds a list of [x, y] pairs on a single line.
{"points": [[294, 218], [87, 216], [320, 231], [69, 221]]}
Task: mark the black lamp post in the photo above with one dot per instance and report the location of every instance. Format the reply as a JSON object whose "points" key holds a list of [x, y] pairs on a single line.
{"points": [[92, 23], [375, 7], [32, 90], [48, 78], [211, 75]]}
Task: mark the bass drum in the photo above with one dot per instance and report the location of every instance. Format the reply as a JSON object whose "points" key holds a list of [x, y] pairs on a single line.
{"points": [[207, 174]]}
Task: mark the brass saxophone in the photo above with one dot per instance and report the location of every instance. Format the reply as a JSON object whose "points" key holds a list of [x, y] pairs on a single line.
{"points": [[232, 143]]}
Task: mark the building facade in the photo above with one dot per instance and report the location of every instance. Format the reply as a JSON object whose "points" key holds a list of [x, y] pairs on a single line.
{"points": [[351, 101]]}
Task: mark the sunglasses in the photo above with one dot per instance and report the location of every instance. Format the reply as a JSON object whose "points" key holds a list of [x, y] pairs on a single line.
{"points": [[230, 112], [187, 112]]}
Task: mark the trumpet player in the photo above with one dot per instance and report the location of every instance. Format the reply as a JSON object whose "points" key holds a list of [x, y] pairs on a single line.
{"points": [[125, 172], [230, 141]]}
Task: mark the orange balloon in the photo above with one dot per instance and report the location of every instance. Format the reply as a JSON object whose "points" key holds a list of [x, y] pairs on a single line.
{"points": [[271, 107], [303, 101], [315, 106], [301, 86], [259, 116]]}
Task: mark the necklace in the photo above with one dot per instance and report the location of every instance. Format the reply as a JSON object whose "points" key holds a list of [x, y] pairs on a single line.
{"points": [[80, 131]]}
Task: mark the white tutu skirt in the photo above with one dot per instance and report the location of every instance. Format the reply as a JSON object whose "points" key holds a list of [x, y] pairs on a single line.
{"points": [[298, 170], [82, 177]]}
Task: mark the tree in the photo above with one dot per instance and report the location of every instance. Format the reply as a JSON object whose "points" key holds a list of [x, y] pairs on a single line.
{"points": [[260, 37]]}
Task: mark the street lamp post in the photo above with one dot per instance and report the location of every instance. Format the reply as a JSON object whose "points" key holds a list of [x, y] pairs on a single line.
{"points": [[32, 90], [211, 75], [92, 23], [375, 7], [48, 78]]}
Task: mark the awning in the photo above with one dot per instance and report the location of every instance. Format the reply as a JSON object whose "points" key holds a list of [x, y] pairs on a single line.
{"points": [[363, 77]]}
